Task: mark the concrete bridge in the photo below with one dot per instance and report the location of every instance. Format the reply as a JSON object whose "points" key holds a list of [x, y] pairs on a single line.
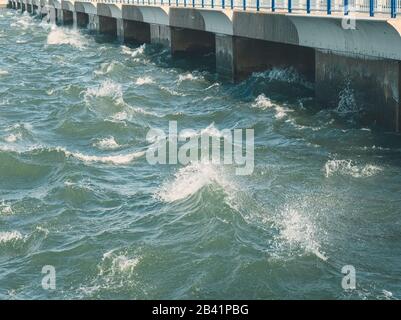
{"points": [[354, 43]]}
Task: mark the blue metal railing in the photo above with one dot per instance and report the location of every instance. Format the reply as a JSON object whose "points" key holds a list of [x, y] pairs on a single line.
{"points": [[345, 7]]}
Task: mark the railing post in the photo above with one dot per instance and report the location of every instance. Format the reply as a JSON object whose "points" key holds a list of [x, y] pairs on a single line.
{"points": [[203, 3], [346, 7], [393, 9], [273, 5], [289, 6], [307, 6], [328, 6], [371, 8], [232, 4], [257, 5], [223, 5], [244, 4], [193, 3], [212, 3]]}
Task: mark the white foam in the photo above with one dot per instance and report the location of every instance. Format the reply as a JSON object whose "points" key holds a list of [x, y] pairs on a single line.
{"points": [[289, 75], [144, 80], [3, 72], [13, 137], [10, 236], [347, 103], [61, 36], [192, 178], [299, 231], [108, 143], [107, 88], [348, 168], [113, 263], [106, 68], [263, 102], [210, 131], [187, 76], [118, 159], [135, 53], [5, 209]]}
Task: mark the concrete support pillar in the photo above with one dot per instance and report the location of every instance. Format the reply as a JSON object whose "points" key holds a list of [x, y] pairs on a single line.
{"points": [[237, 57], [160, 34], [81, 20], [52, 15], [67, 17], [371, 88], [23, 7], [120, 30], [136, 32], [93, 22], [29, 8], [225, 57], [19, 5], [191, 41], [108, 26]]}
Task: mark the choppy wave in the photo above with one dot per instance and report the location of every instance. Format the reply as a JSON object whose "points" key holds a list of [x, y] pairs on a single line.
{"points": [[118, 159], [5, 209], [348, 168], [144, 80], [62, 36], [108, 143], [107, 67], [262, 102], [107, 88], [114, 263], [10, 237], [299, 231], [191, 179], [289, 75]]}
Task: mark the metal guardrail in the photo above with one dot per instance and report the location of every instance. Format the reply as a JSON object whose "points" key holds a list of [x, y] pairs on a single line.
{"points": [[346, 7]]}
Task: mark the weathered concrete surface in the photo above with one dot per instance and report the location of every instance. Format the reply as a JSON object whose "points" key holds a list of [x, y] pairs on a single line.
{"points": [[372, 84], [191, 41], [160, 34], [67, 17], [225, 56], [238, 57], [148, 14], [82, 19], [136, 31], [107, 26]]}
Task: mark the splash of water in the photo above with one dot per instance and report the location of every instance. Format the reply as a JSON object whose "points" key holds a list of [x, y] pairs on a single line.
{"points": [[108, 143], [61, 36], [348, 168], [191, 179]]}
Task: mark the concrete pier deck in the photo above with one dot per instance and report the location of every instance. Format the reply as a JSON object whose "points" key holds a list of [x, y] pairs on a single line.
{"points": [[330, 47]]}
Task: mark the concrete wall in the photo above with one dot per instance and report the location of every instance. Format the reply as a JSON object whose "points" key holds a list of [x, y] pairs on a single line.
{"points": [[191, 41], [373, 84], [107, 26], [82, 19], [136, 31]]}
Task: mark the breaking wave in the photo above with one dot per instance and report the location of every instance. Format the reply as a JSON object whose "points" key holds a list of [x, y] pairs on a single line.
{"points": [[348, 168], [61, 36], [191, 179], [262, 102], [10, 237]]}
